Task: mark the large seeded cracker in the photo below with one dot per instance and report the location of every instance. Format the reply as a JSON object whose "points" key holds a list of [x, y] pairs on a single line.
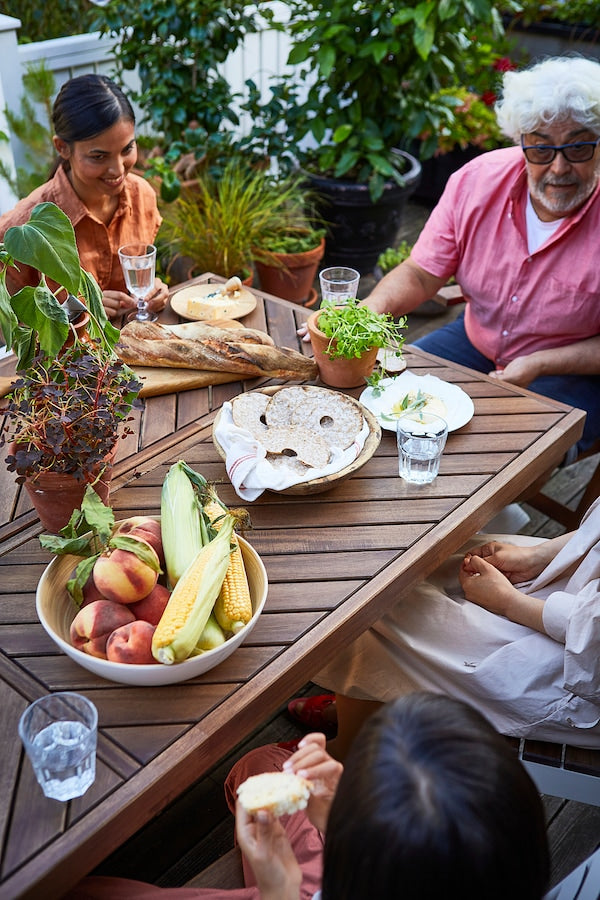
{"points": [[247, 411], [297, 442], [326, 414]]}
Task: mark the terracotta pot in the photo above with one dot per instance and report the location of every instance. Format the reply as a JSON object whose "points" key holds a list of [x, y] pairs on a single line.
{"points": [[342, 373], [295, 279], [55, 495], [80, 326]]}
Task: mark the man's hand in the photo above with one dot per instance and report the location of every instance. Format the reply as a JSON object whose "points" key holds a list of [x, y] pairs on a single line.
{"points": [[520, 371], [265, 845], [312, 761]]}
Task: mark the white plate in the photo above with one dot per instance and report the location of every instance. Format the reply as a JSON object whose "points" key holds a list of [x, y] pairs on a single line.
{"points": [[459, 406], [237, 305]]}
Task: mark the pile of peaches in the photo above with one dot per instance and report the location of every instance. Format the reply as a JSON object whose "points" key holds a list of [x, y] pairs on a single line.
{"points": [[123, 600]]}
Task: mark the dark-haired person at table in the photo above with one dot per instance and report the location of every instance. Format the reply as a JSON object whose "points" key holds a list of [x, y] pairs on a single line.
{"points": [[431, 803], [518, 228], [108, 204]]}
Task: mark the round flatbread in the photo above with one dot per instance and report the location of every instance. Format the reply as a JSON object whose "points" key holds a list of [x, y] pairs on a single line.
{"points": [[325, 414], [248, 411]]}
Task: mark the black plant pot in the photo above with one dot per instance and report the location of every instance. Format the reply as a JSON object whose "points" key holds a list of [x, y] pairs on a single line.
{"points": [[358, 229], [437, 170]]}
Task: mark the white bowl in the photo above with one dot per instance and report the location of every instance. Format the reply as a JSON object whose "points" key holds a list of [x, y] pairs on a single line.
{"points": [[56, 611]]}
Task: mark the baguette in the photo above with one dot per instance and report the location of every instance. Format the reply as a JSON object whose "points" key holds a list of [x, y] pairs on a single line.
{"points": [[212, 348]]}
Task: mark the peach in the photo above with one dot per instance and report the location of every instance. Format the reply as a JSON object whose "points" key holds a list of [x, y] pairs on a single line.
{"points": [[132, 644], [94, 623], [122, 576], [90, 592], [151, 608], [147, 528]]}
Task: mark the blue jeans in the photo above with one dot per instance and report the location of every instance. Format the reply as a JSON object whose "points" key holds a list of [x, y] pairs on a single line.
{"points": [[583, 391]]}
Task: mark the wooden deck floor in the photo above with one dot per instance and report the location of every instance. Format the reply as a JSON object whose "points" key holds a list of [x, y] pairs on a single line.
{"points": [[198, 829]]}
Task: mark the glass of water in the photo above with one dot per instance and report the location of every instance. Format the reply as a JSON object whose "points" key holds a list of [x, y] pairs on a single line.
{"points": [[421, 441], [338, 284], [59, 733], [138, 262]]}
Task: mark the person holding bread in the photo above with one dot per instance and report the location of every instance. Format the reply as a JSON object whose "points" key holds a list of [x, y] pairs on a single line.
{"points": [[430, 803], [108, 204]]}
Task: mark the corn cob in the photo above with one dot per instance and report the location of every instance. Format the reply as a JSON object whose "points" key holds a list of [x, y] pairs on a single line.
{"points": [[193, 598], [180, 522], [212, 636], [233, 608]]}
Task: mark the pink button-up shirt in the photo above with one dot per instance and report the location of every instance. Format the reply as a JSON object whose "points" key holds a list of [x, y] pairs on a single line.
{"points": [[517, 302]]}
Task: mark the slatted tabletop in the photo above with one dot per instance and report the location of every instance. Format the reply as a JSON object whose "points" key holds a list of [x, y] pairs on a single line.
{"points": [[335, 562]]}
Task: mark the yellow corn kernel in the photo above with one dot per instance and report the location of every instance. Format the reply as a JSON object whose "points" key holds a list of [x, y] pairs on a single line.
{"points": [[233, 608], [193, 598]]}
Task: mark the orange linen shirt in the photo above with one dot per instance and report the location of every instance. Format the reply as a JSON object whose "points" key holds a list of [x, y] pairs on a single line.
{"points": [[136, 219]]}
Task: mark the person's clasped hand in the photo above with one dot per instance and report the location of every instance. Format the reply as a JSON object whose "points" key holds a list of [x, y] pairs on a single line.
{"points": [[119, 303]]}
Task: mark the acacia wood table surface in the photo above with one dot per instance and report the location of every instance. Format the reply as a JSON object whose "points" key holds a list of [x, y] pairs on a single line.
{"points": [[335, 562]]}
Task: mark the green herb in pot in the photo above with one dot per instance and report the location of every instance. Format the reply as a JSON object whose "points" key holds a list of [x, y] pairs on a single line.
{"points": [[354, 328]]}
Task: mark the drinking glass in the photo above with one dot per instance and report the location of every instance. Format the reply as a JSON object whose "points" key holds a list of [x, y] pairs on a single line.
{"points": [[421, 441], [59, 733], [138, 262], [339, 283]]}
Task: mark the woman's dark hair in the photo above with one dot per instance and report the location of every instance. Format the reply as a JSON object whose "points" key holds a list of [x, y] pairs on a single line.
{"points": [[434, 803], [86, 106]]}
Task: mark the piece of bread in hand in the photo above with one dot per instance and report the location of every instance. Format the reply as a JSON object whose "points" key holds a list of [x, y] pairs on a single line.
{"points": [[281, 793]]}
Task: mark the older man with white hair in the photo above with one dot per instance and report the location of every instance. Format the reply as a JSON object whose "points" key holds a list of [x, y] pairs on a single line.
{"points": [[519, 229]]}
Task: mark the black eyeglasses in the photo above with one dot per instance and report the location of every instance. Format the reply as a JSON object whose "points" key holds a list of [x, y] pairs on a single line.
{"points": [[543, 154]]}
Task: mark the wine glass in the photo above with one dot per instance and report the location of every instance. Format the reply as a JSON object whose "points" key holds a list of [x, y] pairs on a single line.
{"points": [[138, 262]]}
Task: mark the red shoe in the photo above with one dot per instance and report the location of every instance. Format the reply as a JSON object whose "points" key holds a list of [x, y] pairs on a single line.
{"points": [[317, 713]]}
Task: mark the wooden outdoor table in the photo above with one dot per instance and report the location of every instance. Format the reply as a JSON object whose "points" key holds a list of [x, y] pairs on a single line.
{"points": [[335, 563]]}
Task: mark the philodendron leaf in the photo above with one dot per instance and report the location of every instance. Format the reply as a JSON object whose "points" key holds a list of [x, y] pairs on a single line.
{"points": [[38, 308], [99, 326], [47, 243]]}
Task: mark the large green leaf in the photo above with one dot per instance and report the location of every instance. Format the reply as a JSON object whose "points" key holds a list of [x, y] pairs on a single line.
{"points": [[38, 308], [47, 243]]}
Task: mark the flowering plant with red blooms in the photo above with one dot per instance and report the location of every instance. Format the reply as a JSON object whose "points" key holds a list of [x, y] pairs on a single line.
{"points": [[470, 123], [503, 64]]}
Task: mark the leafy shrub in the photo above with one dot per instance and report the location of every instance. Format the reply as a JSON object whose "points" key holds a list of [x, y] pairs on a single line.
{"points": [[51, 19]]}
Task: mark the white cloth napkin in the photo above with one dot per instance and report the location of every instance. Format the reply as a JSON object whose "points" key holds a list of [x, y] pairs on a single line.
{"points": [[251, 473]]}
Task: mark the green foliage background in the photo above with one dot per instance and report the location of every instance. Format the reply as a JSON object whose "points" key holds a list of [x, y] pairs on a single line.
{"points": [[41, 21]]}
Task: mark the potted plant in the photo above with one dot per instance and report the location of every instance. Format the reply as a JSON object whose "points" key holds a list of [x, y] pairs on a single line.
{"points": [[371, 71], [345, 340], [296, 257], [72, 394], [226, 223], [469, 130]]}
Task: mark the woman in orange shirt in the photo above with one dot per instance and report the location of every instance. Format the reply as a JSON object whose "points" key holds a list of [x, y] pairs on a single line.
{"points": [[93, 184]]}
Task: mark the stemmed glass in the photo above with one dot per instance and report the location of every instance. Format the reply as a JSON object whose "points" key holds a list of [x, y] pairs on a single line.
{"points": [[138, 262]]}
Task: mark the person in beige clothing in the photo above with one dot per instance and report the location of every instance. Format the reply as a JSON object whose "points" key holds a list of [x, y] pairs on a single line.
{"points": [[510, 626]]}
